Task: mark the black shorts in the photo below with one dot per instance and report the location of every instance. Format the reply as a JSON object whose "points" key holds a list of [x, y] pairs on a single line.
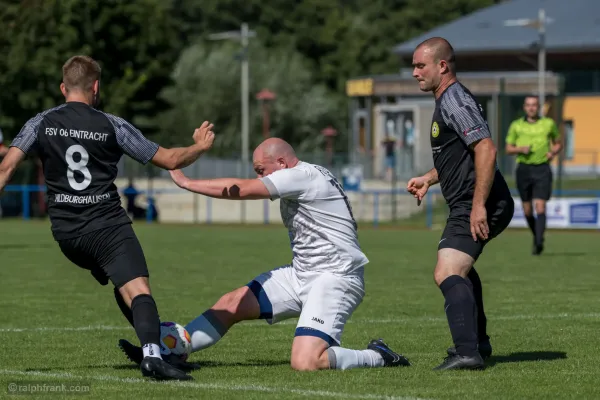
{"points": [[110, 253], [457, 234], [534, 181]]}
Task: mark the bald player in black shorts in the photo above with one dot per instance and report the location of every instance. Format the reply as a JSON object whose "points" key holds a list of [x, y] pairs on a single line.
{"points": [[480, 203]]}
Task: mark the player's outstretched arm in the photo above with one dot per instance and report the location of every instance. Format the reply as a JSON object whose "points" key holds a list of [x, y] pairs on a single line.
{"points": [[181, 157], [177, 157], [223, 188], [9, 164]]}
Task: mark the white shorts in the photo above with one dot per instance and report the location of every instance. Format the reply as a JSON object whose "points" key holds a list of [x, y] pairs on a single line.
{"points": [[323, 301]]}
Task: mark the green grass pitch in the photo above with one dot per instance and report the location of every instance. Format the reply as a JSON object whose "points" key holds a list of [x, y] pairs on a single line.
{"points": [[59, 326]]}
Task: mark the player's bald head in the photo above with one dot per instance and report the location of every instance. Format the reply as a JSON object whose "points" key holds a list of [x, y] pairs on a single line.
{"points": [[273, 154], [275, 148], [440, 49]]}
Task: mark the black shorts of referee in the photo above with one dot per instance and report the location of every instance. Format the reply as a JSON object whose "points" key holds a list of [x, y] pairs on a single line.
{"points": [[534, 181]]}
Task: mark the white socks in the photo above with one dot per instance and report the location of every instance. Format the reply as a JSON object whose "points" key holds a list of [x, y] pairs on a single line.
{"points": [[340, 358], [151, 350], [205, 331]]}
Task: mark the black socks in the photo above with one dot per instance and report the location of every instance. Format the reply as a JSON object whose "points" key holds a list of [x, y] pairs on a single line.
{"points": [[473, 277], [145, 319], [540, 228], [461, 314], [531, 222]]}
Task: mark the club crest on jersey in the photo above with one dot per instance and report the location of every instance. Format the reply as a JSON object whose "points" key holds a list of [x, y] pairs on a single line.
{"points": [[435, 130]]}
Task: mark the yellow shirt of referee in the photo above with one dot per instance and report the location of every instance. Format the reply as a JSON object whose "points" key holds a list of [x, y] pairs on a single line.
{"points": [[535, 141]]}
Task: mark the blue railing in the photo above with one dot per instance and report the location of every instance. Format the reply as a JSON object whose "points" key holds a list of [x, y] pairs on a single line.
{"points": [[428, 203]]}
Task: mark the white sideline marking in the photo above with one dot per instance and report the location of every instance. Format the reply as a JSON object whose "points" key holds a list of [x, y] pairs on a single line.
{"points": [[294, 321], [67, 329], [209, 386]]}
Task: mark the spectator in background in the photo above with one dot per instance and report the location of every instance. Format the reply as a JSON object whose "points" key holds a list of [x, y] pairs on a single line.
{"points": [[136, 212], [389, 144], [131, 193], [3, 148]]}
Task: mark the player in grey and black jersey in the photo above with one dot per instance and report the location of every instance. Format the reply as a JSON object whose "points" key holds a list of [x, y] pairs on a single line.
{"points": [[480, 203], [80, 147]]}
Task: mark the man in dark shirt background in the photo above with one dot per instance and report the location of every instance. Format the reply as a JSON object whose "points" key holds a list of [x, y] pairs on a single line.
{"points": [[480, 202], [3, 148], [389, 145]]}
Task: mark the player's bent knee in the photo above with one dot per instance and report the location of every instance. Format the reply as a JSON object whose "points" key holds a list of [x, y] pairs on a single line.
{"points": [[134, 288], [451, 262], [309, 361], [442, 273], [309, 353], [305, 364], [439, 276]]}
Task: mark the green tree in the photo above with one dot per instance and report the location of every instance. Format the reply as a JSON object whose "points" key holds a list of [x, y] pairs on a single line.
{"points": [[207, 87], [135, 42], [339, 38], [357, 38], [138, 41]]}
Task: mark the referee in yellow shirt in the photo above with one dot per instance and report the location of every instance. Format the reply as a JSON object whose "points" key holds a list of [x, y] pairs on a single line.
{"points": [[534, 140]]}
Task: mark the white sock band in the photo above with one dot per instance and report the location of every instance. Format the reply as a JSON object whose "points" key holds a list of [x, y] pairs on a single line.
{"points": [[151, 350], [203, 333], [340, 358]]}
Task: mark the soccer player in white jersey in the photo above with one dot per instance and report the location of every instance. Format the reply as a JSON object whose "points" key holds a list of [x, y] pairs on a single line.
{"points": [[324, 283]]}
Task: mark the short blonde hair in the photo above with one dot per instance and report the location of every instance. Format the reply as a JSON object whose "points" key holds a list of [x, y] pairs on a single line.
{"points": [[80, 73]]}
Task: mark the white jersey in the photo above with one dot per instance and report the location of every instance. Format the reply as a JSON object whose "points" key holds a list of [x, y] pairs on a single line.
{"points": [[318, 216]]}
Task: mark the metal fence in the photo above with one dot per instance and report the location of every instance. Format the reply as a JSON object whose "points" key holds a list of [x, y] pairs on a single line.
{"points": [[207, 167], [373, 166], [374, 211], [374, 204]]}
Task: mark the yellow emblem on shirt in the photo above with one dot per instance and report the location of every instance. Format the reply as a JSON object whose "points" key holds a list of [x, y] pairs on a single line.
{"points": [[435, 130]]}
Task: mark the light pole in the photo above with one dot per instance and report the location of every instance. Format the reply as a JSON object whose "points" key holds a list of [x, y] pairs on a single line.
{"points": [[329, 134], [265, 96], [540, 25], [242, 35]]}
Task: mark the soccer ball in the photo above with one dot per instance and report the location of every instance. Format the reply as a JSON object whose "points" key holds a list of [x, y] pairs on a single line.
{"points": [[174, 339]]}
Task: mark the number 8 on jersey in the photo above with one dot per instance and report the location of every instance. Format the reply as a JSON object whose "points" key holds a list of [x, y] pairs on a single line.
{"points": [[80, 166]]}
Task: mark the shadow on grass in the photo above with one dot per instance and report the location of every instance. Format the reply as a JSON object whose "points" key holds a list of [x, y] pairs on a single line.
{"points": [[215, 364], [526, 356], [197, 364], [20, 246], [565, 254]]}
